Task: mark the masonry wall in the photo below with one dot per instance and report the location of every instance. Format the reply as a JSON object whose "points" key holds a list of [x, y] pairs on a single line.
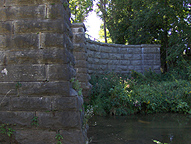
{"points": [[102, 57], [36, 65], [96, 57]]}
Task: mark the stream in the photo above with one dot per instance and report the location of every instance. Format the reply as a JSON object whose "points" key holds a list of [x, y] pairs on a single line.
{"points": [[140, 129]]}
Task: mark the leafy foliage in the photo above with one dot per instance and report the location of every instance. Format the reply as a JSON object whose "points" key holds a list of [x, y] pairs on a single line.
{"points": [[165, 22], [80, 9], [6, 129], [149, 93]]}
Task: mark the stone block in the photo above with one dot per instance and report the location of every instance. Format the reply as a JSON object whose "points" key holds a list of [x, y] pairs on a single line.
{"points": [[130, 50], [136, 62], [126, 56], [24, 41], [52, 26], [52, 40], [31, 104], [5, 103], [81, 70], [8, 89], [125, 62], [148, 56], [104, 56], [123, 50], [124, 68], [7, 13], [80, 47], [131, 67], [22, 57], [82, 77], [137, 57], [106, 49], [149, 50], [30, 12], [81, 64], [104, 61], [59, 120], [80, 55], [137, 50], [72, 137], [24, 12], [54, 56], [79, 38], [45, 89], [23, 73], [19, 118], [59, 72], [55, 11], [156, 67], [6, 28], [29, 136], [64, 103], [93, 47]]}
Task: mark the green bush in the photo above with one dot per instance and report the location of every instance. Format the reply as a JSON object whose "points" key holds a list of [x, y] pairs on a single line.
{"points": [[137, 93]]}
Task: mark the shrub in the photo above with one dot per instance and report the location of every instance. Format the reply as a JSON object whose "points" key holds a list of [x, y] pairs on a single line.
{"points": [[138, 93]]}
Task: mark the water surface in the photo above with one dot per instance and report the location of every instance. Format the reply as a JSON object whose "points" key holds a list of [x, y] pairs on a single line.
{"points": [[140, 129]]}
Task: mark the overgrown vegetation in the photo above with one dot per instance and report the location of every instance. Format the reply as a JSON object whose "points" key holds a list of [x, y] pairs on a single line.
{"points": [[138, 93]]}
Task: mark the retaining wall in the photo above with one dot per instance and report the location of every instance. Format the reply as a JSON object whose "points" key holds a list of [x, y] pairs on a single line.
{"points": [[36, 65], [95, 57]]}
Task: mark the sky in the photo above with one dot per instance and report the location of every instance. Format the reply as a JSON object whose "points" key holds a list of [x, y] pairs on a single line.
{"points": [[92, 24]]}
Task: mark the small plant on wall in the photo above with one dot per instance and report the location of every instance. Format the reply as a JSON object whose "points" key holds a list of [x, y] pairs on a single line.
{"points": [[76, 85], [6, 129]]}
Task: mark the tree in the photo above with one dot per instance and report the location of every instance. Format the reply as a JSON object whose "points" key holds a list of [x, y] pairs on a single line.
{"points": [[80, 9], [102, 8], [165, 22]]}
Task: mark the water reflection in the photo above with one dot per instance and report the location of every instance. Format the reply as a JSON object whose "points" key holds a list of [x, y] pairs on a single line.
{"points": [[140, 129]]}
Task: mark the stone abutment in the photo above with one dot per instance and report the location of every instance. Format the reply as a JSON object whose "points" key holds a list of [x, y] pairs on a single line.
{"points": [[36, 64]]}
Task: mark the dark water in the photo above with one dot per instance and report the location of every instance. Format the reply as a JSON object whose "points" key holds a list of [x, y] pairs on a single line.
{"points": [[140, 129]]}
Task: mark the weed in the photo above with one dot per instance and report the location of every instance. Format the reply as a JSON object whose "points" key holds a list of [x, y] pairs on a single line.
{"points": [[76, 85], [58, 137], [35, 121], [6, 129]]}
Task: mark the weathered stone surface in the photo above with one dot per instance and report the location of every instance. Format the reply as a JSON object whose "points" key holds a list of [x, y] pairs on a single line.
{"points": [[55, 11], [79, 38], [35, 136], [24, 41], [8, 89], [45, 88], [57, 120], [6, 28], [29, 73], [64, 103], [19, 118], [52, 40], [24, 12], [59, 72], [72, 137], [80, 55], [136, 62], [30, 103], [4, 103], [46, 25], [30, 2]]}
